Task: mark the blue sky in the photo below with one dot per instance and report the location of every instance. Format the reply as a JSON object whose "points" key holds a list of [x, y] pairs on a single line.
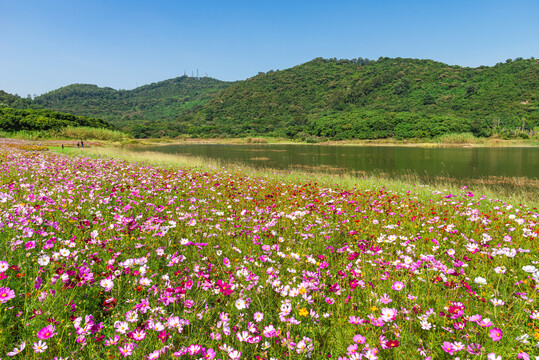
{"points": [[122, 44]]}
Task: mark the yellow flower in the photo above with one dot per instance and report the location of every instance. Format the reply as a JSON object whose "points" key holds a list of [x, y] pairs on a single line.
{"points": [[303, 312], [302, 290], [374, 308]]}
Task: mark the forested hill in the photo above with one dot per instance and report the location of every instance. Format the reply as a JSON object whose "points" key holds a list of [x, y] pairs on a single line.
{"points": [[162, 101], [374, 99]]}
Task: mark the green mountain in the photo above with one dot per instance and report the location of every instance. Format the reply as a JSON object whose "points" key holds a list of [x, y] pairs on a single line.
{"points": [[12, 120], [323, 98], [362, 98], [155, 105]]}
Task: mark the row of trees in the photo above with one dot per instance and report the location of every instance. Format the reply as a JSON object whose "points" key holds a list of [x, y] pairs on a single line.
{"points": [[12, 120]]}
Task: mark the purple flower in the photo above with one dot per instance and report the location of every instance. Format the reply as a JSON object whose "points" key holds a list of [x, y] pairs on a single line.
{"points": [[37, 283]]}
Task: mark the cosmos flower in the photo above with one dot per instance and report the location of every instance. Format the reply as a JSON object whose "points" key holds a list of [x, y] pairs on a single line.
{"points": [[40, 346], [106, 284], [6, 294], [46, 333], [18, 350], [397, 286], [495, 334]]}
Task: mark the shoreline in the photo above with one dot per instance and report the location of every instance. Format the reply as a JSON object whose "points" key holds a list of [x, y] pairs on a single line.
{"points": [[494, 143], [510, 190]]}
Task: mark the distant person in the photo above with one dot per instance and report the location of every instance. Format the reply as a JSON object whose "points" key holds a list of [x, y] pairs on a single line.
{"points": [[78, 144], [81, 143], [62, 146]]}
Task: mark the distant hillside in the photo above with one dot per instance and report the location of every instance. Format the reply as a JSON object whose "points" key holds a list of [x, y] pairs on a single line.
{"points": [[374, 99], [12, 120], [151, 104]]}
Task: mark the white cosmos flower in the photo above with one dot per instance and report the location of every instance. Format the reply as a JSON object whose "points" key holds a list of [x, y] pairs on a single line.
{"points": [[529, 268], [481, 281], [240, 304], [43, 260], [65, 252]]}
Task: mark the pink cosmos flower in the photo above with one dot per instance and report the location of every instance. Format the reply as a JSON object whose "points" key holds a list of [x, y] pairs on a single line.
{"points": [[397, 286], [258, 316], [3, 266], [234, 354], [194, 349], [210, 354], [6, 294], [448, 347], [385, 299], [226, 262], [46, 333], [138, 335], [106, 284], [495, 334], [360, 339], [126, 350]]}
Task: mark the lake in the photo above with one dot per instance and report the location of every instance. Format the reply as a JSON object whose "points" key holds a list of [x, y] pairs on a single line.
{"points": [[453, 164]]}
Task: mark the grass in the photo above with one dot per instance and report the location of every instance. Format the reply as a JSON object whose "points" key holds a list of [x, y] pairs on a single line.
{"points": [[69, 133]]}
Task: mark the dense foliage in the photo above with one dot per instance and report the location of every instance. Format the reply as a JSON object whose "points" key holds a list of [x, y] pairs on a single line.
{"points": [[375, 99], [12, 120], [146, 110], [105, 259], [15, 101]]}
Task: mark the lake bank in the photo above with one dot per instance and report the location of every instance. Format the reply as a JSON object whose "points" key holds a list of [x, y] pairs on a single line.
{"points": [[510, 190]]}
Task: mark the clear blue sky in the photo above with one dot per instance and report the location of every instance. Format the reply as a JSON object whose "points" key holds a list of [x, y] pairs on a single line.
{"points": [[48, 44]]}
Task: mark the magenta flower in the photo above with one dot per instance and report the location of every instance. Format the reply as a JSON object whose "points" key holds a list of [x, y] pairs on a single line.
{"points": [[46, 333], [6, 294], [226, 262], [495, 334], [30, 245]]}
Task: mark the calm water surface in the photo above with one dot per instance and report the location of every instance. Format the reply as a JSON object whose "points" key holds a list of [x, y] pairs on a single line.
{"points": [[455, 163]]}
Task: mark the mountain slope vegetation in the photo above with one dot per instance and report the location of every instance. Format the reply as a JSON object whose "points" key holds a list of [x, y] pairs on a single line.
{"points": [[155, 105], [374, 99]]}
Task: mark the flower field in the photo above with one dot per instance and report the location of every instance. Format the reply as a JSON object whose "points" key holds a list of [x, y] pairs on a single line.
{"points": [[102, 258]]}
